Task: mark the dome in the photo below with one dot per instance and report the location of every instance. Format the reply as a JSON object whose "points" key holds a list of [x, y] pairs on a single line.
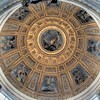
{"points": [[50, 52]]}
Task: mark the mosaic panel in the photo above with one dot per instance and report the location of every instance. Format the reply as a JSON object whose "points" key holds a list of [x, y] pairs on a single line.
{"points": [[79, 74], [20, 14], [49, 84], [51, 40], [93, 47], [83, 16], [20, 72], [8, 43], [34, 81], [53, 3]]}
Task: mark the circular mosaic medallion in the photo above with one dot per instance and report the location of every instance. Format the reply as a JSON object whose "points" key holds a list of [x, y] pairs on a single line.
{"points": [[51, 40]]}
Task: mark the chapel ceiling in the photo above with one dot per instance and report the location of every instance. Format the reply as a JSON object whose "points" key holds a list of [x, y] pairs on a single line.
{"points": [[50, 51]]}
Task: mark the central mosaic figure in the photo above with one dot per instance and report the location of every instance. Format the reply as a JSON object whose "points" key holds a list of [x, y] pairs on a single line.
{"points": [[51, 40]]}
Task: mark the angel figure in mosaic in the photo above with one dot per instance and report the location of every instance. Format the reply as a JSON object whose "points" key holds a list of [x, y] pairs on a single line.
{"points": [[21, 72], [51, 41], [49, 84], [80, 75], [8, 43]]}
